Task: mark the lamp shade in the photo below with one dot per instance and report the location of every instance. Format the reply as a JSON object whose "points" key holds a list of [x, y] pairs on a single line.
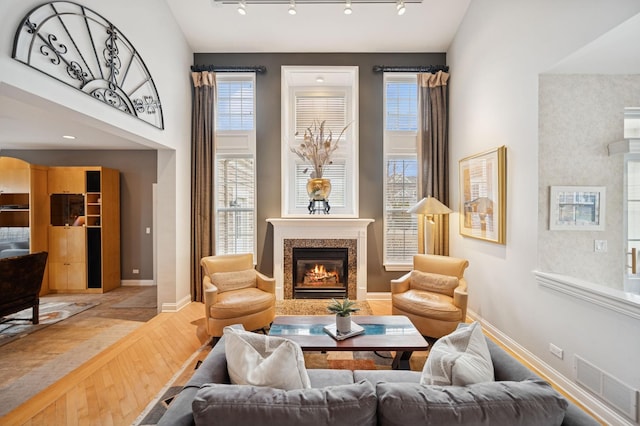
{"points": [[429, 205]]}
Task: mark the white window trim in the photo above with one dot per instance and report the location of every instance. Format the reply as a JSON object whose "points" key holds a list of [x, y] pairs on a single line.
{"points": [[407, 147], [290, 76], [239, 144]]}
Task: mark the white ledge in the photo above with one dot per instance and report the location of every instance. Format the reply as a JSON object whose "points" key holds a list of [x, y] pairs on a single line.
{"points": [[615, 300]]}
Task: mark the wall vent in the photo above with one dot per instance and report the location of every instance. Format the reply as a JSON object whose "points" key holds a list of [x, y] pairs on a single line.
{"points": [[609, 388]]}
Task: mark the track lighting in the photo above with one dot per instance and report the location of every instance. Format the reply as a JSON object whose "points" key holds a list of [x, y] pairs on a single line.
{"points": [[400, 9], [242, 7], [347, 8], [292, 7]]}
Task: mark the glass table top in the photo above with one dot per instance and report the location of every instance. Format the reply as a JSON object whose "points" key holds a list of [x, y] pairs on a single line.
{"points": [[317, 329]]}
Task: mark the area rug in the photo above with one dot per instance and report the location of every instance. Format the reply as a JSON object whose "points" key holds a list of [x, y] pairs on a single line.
{"points": [[314, 307], [19, 324], [348, 360]]}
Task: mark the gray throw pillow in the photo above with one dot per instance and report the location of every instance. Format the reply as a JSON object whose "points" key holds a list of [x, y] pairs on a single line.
{"points": [[233, 405], [526, 403]]}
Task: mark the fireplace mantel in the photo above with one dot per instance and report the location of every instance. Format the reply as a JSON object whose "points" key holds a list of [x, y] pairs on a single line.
{"points": [[321, 229]]}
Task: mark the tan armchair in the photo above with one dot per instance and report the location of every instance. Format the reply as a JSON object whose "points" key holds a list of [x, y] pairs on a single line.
{"points": [[433, 295], [235, 293]]}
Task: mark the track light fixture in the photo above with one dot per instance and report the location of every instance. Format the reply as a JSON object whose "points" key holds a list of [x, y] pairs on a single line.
{"points": [[242, 7], [400, 9], [347, 8], [292, 7]]}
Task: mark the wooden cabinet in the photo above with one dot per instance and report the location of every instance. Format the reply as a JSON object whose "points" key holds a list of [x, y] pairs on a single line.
{"points": [[66, 180], [14, 176], [67, 258], [85, 229]]}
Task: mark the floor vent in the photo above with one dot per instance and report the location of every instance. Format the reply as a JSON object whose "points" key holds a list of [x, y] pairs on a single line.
{"points": [[612, 390]]}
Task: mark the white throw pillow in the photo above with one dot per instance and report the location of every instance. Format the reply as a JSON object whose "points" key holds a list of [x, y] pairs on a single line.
{"points": [[261, 360], [460, 358]]}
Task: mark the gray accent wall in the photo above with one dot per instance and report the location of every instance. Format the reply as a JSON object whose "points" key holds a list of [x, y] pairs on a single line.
{"points": [[137, 176], [370, 128]]}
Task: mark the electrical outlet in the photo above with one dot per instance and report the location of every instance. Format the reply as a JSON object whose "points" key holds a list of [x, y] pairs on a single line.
{"points": [[556, 350], [136, 271], [147, 230], [600, 246]]}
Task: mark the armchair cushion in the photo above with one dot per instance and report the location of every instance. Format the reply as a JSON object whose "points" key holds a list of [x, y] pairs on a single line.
{"points": [[427, 281], [236, 280], [261, 360], [239, 303], [461, 358]]}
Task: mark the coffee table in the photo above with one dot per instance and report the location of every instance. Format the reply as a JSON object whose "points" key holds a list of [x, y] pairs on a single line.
{"points": [[381, 333]]}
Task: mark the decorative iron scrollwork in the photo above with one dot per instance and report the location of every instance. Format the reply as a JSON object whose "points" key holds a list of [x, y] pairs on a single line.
{"points": [[80, 48]]}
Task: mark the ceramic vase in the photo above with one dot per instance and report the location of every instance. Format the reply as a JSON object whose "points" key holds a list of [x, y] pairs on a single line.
{"points": [[343, 324]]}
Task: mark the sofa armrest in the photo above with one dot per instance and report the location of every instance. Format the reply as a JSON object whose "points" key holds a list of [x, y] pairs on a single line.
{"points": [[265, 283], [400, 285]]}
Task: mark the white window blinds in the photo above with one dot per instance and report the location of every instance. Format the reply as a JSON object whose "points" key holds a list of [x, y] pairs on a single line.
{"points": [[235, 209], [401, 104], [234, 105], [312, 108], [401, 228]]}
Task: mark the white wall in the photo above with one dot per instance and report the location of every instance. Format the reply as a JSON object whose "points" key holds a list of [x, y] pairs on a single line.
{"points": [[496, 58], [162, 46]]}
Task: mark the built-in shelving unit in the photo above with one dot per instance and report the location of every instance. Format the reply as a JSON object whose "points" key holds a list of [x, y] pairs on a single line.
{"points": [[96, 218]]}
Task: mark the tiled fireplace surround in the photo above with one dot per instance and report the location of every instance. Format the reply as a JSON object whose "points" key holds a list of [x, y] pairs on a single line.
{"points": [[320, 232]]}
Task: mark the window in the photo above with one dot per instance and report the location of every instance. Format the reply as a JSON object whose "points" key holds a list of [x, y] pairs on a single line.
{"points": [[401, 170], [235, 181], [305, 102]]}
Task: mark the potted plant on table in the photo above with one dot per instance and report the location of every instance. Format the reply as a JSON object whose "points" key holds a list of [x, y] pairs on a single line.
{"points": [[343, 310]]}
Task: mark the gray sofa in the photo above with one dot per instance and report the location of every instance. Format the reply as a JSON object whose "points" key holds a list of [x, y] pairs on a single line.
{"points": [[375, 397]]}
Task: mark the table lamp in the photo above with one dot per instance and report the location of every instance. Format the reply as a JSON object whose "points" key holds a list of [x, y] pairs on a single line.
{"points": [[427, 207]]}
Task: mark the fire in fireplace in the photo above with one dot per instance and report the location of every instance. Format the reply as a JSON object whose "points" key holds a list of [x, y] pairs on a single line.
{"points": [[320, 272]]}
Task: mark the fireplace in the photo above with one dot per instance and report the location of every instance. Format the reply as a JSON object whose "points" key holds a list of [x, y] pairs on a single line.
{"points": [[320, 272]]}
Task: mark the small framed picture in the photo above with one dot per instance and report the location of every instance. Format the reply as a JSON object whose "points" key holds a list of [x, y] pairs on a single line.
{"points": [[577, 208]]}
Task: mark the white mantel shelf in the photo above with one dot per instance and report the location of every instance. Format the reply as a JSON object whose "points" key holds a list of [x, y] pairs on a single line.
{"points": [[319, 228]]}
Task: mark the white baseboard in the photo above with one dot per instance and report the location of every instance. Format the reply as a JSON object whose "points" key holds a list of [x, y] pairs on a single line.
{"points": [[175, 307], [140, 283], [597, 407], [384, 295]]}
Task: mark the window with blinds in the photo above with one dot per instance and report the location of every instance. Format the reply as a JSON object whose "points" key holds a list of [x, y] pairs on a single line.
{"points": [[235, 180], [401, 192], [401, 106], [312, 109], [234, 105], [401, 170]]}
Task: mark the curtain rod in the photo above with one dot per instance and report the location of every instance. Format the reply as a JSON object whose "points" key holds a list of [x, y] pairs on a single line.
{"points": [[222, 68], [417, 68]]}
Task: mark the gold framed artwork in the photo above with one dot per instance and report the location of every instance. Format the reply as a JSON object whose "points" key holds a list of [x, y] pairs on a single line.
{"points": [[483, 188], [577, 208]]}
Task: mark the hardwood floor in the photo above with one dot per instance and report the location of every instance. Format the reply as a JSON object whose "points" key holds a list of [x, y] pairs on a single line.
{"points": [[115, 387]]}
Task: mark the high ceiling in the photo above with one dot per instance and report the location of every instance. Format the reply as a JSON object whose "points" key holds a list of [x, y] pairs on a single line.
{"points": [[211, 26]]}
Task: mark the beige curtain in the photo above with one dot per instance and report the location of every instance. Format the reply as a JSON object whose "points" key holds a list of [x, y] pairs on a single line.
{"points": [[202, 178], [433, 148]]}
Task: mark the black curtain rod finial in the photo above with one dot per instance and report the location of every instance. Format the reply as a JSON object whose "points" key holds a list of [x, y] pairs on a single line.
{"points": [[223, 68]]}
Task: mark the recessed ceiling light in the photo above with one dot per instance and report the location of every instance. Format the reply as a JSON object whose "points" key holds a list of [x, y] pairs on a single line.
{"points": [[319, 79], [68, 137]]}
